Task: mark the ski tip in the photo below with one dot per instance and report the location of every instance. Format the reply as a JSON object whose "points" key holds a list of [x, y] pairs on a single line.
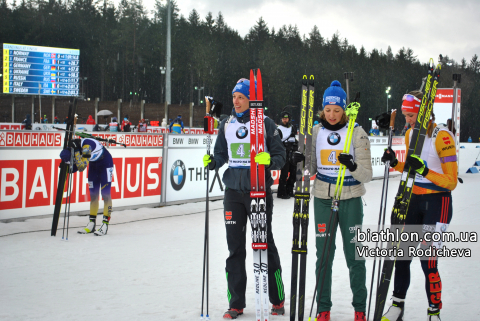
{"points": [[259, 85], [312, 79], [252, 85]]}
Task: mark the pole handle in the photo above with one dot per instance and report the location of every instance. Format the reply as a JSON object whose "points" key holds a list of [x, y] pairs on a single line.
{"points": [[392, 118], [208, 105]]}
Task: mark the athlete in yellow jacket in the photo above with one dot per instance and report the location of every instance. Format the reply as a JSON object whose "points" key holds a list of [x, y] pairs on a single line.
{"points": [[430, 207]]}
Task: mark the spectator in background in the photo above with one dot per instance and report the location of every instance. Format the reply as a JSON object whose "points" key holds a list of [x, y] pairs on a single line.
{"points": [[126, 124], [374, 131], [286, 181], [114, 125], [55, 120], [404, 130], [66, 120], [90, 120], [28, 122], [176, 126], [45, 119], [451, 126], [142, 126]]}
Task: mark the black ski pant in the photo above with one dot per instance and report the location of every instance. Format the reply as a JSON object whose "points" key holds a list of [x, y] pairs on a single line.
{"points": [[428, 213], [236, 213], [285, 186]]}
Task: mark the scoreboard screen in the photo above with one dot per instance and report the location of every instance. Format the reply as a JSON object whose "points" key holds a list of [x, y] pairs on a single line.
{"points": [[35, 70]]}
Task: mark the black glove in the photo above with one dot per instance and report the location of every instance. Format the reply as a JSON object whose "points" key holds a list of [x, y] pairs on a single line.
{"points": [[296, 157], [75, 143], [417, 164], [347, 160], [389, 155], [209, 161]]}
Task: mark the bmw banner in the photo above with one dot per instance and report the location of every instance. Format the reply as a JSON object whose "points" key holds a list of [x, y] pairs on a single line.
{"points": [[185, 175]]}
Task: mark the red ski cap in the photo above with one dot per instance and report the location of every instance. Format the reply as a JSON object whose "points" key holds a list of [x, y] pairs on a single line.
{"points": [[411, 103]]}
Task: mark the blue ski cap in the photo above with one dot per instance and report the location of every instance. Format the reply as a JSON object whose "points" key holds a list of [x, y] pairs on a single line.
{"points": [[335, 95], [243, 86]]}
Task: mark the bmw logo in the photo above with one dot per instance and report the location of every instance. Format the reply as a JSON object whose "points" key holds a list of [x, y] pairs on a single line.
{"points": [[177, 175], [333, 139], [242, 132]]}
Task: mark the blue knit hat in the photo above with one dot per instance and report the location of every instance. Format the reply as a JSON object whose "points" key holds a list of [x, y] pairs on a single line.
{"points": [[335, 95], [243, 86]]}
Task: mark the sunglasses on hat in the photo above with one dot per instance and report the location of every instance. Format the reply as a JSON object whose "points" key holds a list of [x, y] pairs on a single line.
{"points": [[409, 97]]}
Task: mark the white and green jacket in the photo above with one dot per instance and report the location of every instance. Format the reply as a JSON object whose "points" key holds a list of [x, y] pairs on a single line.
{"points": [[360, 149]]}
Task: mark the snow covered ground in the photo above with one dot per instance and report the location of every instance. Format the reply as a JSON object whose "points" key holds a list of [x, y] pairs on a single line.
{"points": [[149, 266]]}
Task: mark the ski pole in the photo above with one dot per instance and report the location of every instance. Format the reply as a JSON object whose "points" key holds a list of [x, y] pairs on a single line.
{"points": [[383, 207], [205, 241], [213, 110]]}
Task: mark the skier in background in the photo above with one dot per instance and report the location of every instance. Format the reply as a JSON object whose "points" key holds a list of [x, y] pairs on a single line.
{"points": [[430, 205], [285, 186], [328, 139], [28, 122], [176, 126], [142, 126], [114, 126], [374, 131], [126, 124], [90, 153], [232, 146]]}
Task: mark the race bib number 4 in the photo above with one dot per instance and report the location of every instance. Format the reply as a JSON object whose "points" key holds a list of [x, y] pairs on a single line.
{"points": [[240, 150], [330, 156]]}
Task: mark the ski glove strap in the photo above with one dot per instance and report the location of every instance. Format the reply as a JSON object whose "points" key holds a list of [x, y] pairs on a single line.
{"points": [[347, 160], [417, 164], [209, 161], [389, 155], [75, 143], [263, 159]]}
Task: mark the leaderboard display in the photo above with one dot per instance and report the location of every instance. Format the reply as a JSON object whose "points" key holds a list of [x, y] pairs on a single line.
{"points": [[35, 70]]}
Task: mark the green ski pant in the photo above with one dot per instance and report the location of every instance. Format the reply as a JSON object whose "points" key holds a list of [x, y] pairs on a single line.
{"points": [[350, 213]]}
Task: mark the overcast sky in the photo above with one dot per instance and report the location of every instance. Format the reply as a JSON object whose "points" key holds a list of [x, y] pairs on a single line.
{"points": [[429, 27]]}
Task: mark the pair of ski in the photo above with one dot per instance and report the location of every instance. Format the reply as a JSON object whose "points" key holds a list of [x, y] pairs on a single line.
{"points": [[258, 205], [302, 200], [65, 177], [402, 199]]}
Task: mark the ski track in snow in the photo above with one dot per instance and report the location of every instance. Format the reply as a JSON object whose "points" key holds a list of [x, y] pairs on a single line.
{"points": [[151, 269]]}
